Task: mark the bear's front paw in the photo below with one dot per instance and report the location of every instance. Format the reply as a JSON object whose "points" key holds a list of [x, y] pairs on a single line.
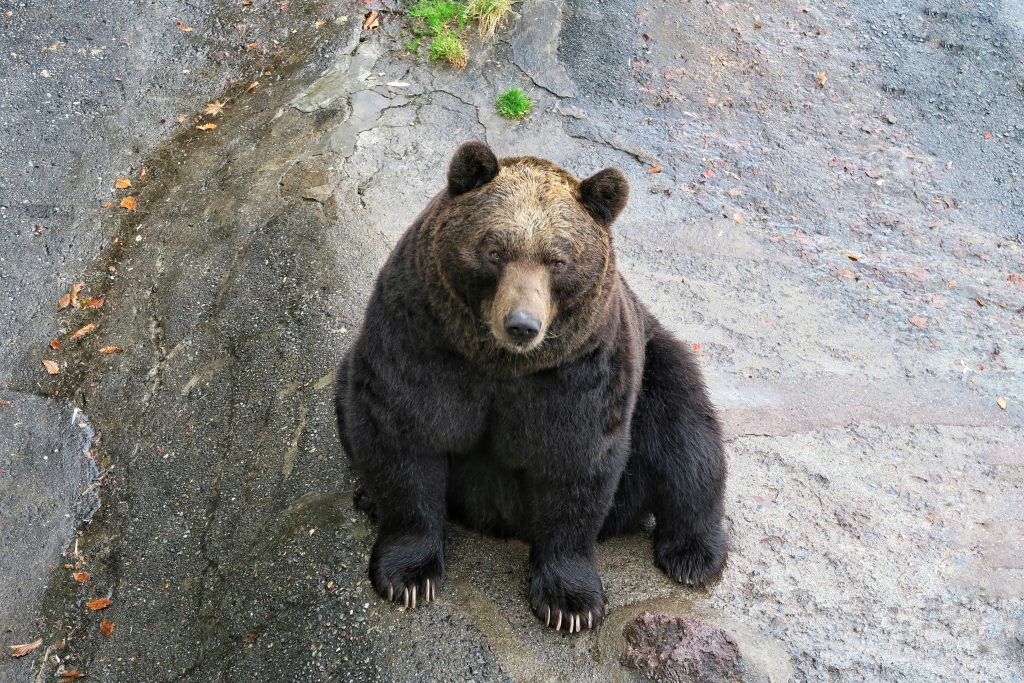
{"points": [[569, 596], [693, 560], [407, 568]]}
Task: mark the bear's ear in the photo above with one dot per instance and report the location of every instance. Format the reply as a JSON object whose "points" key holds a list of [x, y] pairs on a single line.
{"points": [[604, 195], [472, 165]]}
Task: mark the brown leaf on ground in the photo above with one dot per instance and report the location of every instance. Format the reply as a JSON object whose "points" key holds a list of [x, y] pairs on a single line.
{"points": [[654, 169], [54, 344], [372, 20], [214, 108], [25, 648], [80, 577], [183, 27], [70, 675], [252, 86], [919, 321], [76, 289], [1001, 402], [82, 331], [249, 637], [181, 118], [822, 79], [94, 301], [106, 628], [122, 183], [63, 302], [51, 367], [111, 349], [143, 173], [207, 126], [107, 205], [129, 203], [99, 603]]}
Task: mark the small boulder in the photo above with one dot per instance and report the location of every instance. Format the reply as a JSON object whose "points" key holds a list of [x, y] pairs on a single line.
{"points": [[671, 649]]}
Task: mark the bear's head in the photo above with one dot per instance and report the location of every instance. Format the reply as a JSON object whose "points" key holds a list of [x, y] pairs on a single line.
{"points": [[523, 252]]}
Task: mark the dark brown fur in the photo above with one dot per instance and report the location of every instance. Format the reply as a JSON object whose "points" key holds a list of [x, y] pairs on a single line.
{"points": [[599, 421]]}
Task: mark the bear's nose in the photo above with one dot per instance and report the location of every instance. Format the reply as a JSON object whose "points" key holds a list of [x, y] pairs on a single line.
{"points": [[522, 326]]}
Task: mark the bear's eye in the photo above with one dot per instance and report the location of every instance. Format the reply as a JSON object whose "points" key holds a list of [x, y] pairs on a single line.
{"points": [[557, 265], [494, 256]]}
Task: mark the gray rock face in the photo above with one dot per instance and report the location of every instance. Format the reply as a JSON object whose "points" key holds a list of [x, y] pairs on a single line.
{"points": [[672, 649], [49, 488]]}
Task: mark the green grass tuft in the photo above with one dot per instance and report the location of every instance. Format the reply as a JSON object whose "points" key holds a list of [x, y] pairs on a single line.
{"points": [[413, 45], [489, 14], [438, 16], [514, 104], [447, 47]]}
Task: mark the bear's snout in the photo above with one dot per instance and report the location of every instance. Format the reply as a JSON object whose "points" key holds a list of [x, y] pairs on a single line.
{"points": [[522, 326], [522, 307]]}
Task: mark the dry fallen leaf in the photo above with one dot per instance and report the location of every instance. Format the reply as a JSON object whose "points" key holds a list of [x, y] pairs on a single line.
{"points": [[76, 289], [129, 203], [372, 20], [70, 675], [25, 648], [94, 302], [55, 344], [207, 126], [320, 23], [99, 603], [63, 302], [107, 205], [1001, 402], [181, 118], [82, 331], [111, 349], [122, 183], [654, 169], [214, 108], [80, 577], [822, 79], [252, 86], [183, 27], [738, 217], [106, 628], [143, 173], [919, 321], [51, 367]]}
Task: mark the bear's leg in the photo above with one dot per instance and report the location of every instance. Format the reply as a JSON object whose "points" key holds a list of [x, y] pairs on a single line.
{"points": [[565, 588], [677, 451], [407, 490]]}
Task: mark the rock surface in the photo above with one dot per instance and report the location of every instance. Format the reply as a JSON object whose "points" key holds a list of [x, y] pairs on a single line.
{"points": [[836, 227], [672, 649]]}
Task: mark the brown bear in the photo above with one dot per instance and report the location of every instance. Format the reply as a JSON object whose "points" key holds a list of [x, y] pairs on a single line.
{"points": [[506, 377]]}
